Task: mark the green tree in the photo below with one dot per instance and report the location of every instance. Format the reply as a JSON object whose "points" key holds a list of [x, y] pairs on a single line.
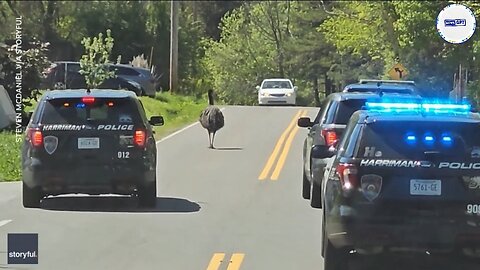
{"points": [[251, 48], [404, 32], [94, 63], [33, 62]]}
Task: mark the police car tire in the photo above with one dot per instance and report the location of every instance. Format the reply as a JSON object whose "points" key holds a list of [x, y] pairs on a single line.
{"points": [[316, 199], [31, 197], [306, 187], [147, 194], [334, 258]]}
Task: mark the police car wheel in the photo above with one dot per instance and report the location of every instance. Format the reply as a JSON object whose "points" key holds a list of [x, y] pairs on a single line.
{"points": [[147, 194], [335, 259], [316, 199], [306, 187], [31, 197]]}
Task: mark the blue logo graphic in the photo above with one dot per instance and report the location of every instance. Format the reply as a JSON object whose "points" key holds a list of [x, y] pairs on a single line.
{"points": [[455, 22], [22, 248]]}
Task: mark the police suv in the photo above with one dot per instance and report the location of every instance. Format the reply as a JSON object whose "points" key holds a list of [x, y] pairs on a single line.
{"points": [[405, 176], [91, 142]]}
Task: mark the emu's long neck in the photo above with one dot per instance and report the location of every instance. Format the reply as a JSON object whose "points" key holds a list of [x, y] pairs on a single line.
{"points": [[210, 98]]}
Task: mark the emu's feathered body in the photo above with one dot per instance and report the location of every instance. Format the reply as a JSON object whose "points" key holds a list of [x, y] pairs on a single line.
{"points": [[211, 119]]}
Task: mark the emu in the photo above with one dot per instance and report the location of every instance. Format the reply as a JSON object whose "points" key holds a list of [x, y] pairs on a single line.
{"points": [[211, 119]]}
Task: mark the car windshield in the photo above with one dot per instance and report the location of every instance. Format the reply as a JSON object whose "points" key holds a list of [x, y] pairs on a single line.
{"points": [[414, 139], [277, 84], [72, 111]]}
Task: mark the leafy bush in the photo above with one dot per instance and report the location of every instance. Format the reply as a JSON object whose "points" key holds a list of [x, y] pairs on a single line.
{"points": [[94, 63], [33, 62]]}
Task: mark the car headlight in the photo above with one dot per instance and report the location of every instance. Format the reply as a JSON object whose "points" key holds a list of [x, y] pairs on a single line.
{"points": [[289, 94], [265, 95]]}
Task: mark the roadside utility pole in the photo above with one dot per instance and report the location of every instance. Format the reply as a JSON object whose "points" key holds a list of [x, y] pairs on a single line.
{"points": [[173, 45]]}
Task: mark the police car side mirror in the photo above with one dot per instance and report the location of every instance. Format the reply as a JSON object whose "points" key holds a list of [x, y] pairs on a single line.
{"points": [[156, 121], [304, 122], [322, 151], [295, 88]]}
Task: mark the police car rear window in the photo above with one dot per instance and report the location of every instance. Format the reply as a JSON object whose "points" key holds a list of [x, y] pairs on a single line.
{"points": [[345, 110], [419, 140], [74, 111]]}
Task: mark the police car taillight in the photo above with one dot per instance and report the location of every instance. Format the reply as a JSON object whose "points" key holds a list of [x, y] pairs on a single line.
{"points": [[88, 100], [35, 136], [347, 174], [139, 138], [330, 136]]}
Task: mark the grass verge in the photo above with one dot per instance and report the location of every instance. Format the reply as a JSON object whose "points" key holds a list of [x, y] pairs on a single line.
{"points": [[9, 157], [178, 111]]}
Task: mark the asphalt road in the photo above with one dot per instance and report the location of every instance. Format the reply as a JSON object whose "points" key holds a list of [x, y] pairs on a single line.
{"points": [[236, 207]]}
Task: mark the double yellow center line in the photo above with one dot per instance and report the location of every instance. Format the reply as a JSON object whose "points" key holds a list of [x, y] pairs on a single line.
{"points": [[234, 264], [286, 142]]}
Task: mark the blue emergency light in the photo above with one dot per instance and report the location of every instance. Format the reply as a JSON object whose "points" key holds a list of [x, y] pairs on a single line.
{"points": [[411, 139], [429, 139], [427, 107]]}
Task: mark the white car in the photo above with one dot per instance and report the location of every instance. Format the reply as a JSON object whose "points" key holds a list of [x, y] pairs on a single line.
{"points": [[277, 91]]}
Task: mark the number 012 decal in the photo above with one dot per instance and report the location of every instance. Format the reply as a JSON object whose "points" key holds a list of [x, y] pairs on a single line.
{"points": [[122, 154], [473, 209]]}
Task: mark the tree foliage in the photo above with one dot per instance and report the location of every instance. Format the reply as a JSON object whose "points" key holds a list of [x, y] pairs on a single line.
{"points": [[30, 61], [251, 48], [94, 63], [232, 45]]}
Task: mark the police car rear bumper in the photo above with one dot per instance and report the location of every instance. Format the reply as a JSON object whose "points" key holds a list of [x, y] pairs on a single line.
{"points": [[94, 180], [423, 233]]}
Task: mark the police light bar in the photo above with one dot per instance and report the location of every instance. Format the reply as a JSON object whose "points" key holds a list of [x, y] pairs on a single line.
{"points": [[418, 107]]}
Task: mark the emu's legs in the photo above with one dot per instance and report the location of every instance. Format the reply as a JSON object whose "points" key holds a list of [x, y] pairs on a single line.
{"points": [[211, 146], [210, 139]]}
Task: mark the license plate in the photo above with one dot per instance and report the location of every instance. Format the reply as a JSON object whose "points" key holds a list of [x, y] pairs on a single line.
{"points": [[88, 143], [425, 187]]}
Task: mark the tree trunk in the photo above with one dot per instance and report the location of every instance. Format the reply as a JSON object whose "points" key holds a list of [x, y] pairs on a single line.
{"points": [[328, 85], [390, 17], [280, 63], [48, 21], [315, 91]]}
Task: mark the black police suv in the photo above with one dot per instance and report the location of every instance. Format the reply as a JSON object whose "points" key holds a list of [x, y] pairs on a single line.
{"points": [[404, 177], [91, 142], [328, 126]]}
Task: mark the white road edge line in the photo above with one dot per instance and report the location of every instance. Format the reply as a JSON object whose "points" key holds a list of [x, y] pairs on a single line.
{"points": [[181, 130], [5, 222]]}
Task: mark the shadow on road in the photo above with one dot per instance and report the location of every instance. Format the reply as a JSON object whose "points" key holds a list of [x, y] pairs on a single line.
{"points": [[228, 148], [118, 204]]}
